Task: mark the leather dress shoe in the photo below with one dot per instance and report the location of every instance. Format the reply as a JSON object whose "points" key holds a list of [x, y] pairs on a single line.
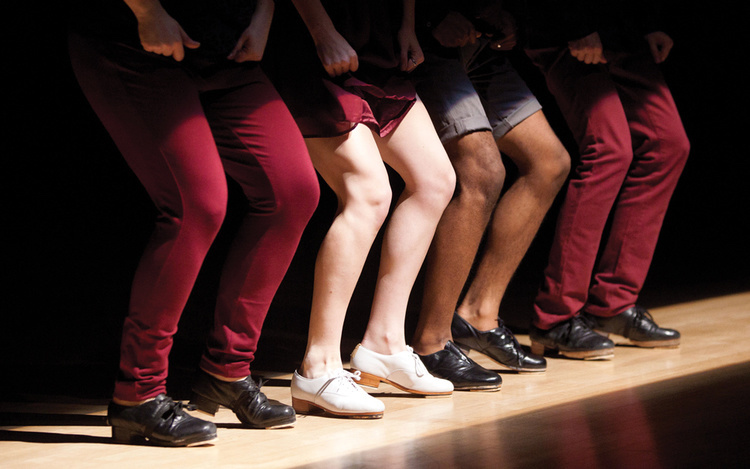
{"points": [[465, 374], [572, 338], [336, 393], [159, 421], [244, 398], [403, 370], [637, 325], [499, 344]]}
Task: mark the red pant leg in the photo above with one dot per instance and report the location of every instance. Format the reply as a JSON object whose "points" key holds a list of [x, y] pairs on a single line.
{"points": [[660, 151], [598, 123], [153, 113], [610, 117], [262, 150]]}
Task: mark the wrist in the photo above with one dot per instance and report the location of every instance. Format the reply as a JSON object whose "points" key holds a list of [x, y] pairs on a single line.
{"points": [[144, 8]]}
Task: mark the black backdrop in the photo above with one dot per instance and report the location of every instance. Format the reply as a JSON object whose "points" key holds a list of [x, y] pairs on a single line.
{"points": [[76, 218]]}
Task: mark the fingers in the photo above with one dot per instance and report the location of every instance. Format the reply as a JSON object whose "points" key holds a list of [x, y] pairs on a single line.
{"points": [[660, 45], [411, 60], [343, 66], [187, 41], [588, 50]]}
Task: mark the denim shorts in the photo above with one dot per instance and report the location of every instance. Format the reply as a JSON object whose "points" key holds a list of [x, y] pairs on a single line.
{"points": [[479, 91]]}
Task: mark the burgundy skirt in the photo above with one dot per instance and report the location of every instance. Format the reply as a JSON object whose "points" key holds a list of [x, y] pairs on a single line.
{"points": [[376, 95]]}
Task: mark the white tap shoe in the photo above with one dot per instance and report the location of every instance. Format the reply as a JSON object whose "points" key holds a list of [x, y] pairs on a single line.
{"points": [[403, 370], [336, 393]]}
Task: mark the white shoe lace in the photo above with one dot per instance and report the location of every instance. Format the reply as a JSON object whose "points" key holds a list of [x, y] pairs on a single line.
{"points": [[419, 368], [345, 382]]}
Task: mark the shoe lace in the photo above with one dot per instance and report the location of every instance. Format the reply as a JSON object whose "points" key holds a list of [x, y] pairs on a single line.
{"points": [[641, 312], [343, 380], [419, 368], [507, 333], [170, 409]]}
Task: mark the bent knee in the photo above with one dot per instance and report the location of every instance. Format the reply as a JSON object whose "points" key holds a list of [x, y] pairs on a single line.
{"points": [[438, 185]]}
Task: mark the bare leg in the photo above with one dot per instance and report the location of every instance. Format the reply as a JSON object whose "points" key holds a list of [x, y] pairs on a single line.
{"points": [[415, 152], [352, 167], [543, 165], [480, 175]]}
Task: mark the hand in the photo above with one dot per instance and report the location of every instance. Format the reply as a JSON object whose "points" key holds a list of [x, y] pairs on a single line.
{"points": [[504, 23], [335, 53], [455, 30], [588, 49], [411, 52], [504, 43], [660, 44], [161, 34], [252, 42]]}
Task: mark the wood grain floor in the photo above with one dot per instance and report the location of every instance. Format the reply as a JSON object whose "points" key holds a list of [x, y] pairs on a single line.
{"points": [[683, 407]]}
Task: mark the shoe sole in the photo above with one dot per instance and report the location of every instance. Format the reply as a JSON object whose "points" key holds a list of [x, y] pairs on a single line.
{"points": [[131, 437], [210, 407], [372, 381], [598, 354], [667, 343], [467, 349], [478, 388], [302, 406]]}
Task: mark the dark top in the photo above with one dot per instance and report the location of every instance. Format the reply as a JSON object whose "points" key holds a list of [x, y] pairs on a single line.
{"points": [[216, 24], [621, 24], [322, 106]]}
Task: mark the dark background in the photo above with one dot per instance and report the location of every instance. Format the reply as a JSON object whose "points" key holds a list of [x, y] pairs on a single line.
{"points": [[77, 218]]}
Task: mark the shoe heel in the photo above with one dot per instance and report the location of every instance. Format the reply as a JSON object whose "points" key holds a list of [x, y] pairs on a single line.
{"points": [[204, 404], [464, 349], [371, 381], [537, 348], [305, 407], [125, 435]]}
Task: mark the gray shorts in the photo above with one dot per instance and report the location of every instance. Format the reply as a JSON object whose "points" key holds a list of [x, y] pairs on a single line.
{"points": [[481, 91]]}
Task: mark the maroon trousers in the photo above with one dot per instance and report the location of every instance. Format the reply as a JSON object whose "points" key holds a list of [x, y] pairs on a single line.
{"points": [[632, 151], [183, 127]]}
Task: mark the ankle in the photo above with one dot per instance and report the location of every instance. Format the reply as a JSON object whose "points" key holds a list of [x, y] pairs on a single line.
{"points": [[223, 378], [126, 403], [479, 319]]}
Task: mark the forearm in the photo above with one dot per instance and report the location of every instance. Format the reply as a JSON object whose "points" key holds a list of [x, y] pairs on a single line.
{"points": [[407, 21], [141, 8], [263, 16], [315, 17]]}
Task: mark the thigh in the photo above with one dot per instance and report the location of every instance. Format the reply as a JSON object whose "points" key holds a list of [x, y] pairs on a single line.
{"points": [[449, 96], [650, 109], [415, 152], [350, 164], [589, 101], [259, 143], [506, 98], [152, 111]]}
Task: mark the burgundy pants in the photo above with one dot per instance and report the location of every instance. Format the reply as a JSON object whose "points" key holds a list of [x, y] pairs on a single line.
{"points": [[632, 151], [183, 127]]}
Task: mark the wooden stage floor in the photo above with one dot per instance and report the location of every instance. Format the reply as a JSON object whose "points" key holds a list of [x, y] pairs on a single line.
{"points": [[672, 408]]}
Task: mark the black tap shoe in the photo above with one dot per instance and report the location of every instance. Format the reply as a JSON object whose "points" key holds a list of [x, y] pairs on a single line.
{"points": [[572, 338], [499, 344], [244, 398], [160, 421], [465, 374], [636, 325]]}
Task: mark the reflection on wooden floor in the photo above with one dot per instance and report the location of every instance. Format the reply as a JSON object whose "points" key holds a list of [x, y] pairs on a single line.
{"points": [[677, 408]]}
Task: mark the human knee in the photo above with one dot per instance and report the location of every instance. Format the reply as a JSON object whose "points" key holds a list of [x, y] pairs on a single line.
{"points": [[480, 184], [204, 211], [436, 185], [369, 203], [479, 166], [677, 146], [298, 200], [554, 166]]}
